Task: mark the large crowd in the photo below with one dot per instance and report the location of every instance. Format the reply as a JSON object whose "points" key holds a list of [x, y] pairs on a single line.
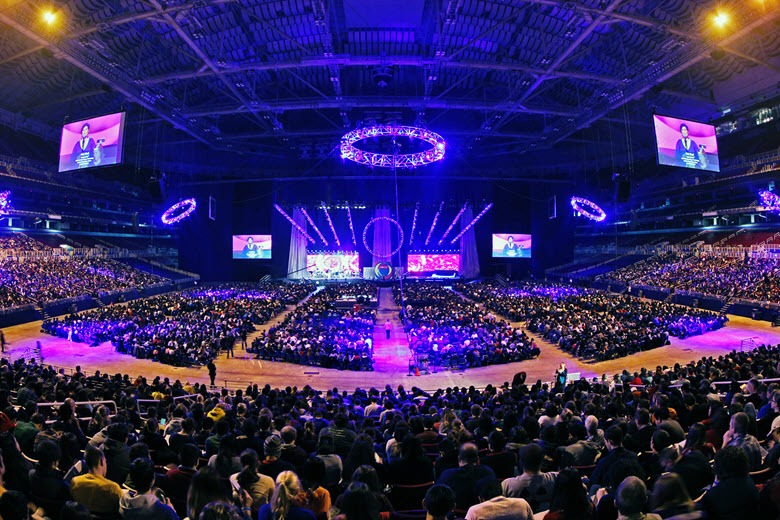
{"points": [[661, 443], [593, 324], [747, 278], [454, 331], [321, 333], [187, 328]]}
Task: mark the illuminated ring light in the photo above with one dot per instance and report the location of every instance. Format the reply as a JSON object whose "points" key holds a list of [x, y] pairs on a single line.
{"points": [[383, 270], [179, 211], [588, 209], [382, 160], [400, 234]]}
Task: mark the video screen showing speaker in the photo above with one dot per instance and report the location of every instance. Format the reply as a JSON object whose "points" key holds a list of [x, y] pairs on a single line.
{"points": [[426, 263], [92, 142], [686, 144], [329, 266], [252, 247], [511, 245]]}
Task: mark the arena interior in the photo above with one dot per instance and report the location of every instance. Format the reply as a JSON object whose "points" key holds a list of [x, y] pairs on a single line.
{"points": [[397, 259]]}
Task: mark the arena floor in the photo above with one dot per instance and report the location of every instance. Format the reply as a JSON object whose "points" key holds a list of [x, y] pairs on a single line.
{"points": [[391, 359]]}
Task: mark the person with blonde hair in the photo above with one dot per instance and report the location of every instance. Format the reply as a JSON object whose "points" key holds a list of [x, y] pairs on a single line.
{"points": [[287, 500]]}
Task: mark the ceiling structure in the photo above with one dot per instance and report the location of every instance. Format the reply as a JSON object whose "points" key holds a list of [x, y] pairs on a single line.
{"points": [[252, 88]]}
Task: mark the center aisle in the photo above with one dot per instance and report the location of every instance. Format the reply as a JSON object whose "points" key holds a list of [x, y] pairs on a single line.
{"points": [[390, 355]]}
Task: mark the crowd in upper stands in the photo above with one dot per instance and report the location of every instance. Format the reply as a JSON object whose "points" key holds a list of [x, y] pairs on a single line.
{"points": [[659, 443], [593, 324], [321, 333], [454, 331], [185, 328], [752, 279]]}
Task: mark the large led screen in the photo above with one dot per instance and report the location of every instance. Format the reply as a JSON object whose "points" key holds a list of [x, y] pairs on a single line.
{"points": [[511, 245], [686, 144], [252, 247], [92, 142], [424, 263], [332, 265]]}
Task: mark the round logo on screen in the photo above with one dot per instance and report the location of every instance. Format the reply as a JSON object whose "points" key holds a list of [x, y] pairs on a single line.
{"points": [[383, 270]]}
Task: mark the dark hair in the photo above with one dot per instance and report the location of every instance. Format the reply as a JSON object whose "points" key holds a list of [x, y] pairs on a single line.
{"points": [[439, 500], [569, 495], [368, 476], [614, 435], [496, 440], [683, 125], [313, 473], [697, 436], [731, 461], [93, 456], [142, 474], [661, 440], [189, 454], [47, 453], [219, 510], [531, 457], [669, 492], [204, 488], [72, 510], [13, 505], [359, 503], [85, 125], [631, 496]]}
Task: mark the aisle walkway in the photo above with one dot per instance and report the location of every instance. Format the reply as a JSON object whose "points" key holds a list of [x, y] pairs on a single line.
{"points": [[390, 355]]}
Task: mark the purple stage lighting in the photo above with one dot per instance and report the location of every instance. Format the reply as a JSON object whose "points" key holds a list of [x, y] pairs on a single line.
{"points": [[330, 223], [454, 221], [471, 224], [312, 224], [409, 160], [414, 223], [433, 224], [351, 226], [770, 201], [588, 209], [178, 212], [294, 224], [400, 236]]}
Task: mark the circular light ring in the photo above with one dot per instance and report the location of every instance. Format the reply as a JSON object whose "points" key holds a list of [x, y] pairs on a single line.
{"points": [[588, 209], [400, 234], [381, 160], [179, 211]]}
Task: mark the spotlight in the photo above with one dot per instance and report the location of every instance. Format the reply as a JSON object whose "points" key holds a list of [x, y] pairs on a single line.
{"points": [[721, 19], [49, 16]]}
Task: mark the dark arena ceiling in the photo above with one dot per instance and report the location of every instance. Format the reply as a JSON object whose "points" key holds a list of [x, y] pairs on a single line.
{"points": [[226, 89]]}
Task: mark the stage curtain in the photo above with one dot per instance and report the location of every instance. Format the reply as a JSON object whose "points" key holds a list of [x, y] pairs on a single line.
{"points": [[296, 265], [469, 260], [384, 233]]}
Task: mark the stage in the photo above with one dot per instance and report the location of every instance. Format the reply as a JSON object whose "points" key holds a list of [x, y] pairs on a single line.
{"points": [[391, 358]]}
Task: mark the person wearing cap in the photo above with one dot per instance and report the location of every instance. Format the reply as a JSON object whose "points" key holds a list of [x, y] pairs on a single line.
{"points": [[272, 465]]}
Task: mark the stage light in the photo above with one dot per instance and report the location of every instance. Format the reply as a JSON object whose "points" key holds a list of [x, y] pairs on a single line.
{"points": [[454, 221], [294, 224], [330, 223], [49, 16], [472, 223], [316, 229], [433, 224], [588, 209], [414, 223], [178, 212], [351, 226], [721, 19]]}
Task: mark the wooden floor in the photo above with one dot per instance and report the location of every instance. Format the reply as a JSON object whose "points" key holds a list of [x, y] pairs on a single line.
{"points": [[391, 359]]}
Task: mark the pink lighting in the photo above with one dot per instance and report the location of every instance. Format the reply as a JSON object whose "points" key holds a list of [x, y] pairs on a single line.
{"points": [[588, 209], [178, 211], [330, 223], [454, 221], [410, 160], [351, 227], [423, 263], [433, 224]]}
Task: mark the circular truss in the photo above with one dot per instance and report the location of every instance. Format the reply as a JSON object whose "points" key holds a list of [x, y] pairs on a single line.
{"points": [[383, 160], [400, 235], [588, 209], [179, 211]]}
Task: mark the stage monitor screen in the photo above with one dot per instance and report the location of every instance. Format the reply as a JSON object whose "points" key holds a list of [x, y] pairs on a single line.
{"points": [[511, 245], [333, 265], [92, 142], [427, 263], [686, 144], [252, 247]]}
